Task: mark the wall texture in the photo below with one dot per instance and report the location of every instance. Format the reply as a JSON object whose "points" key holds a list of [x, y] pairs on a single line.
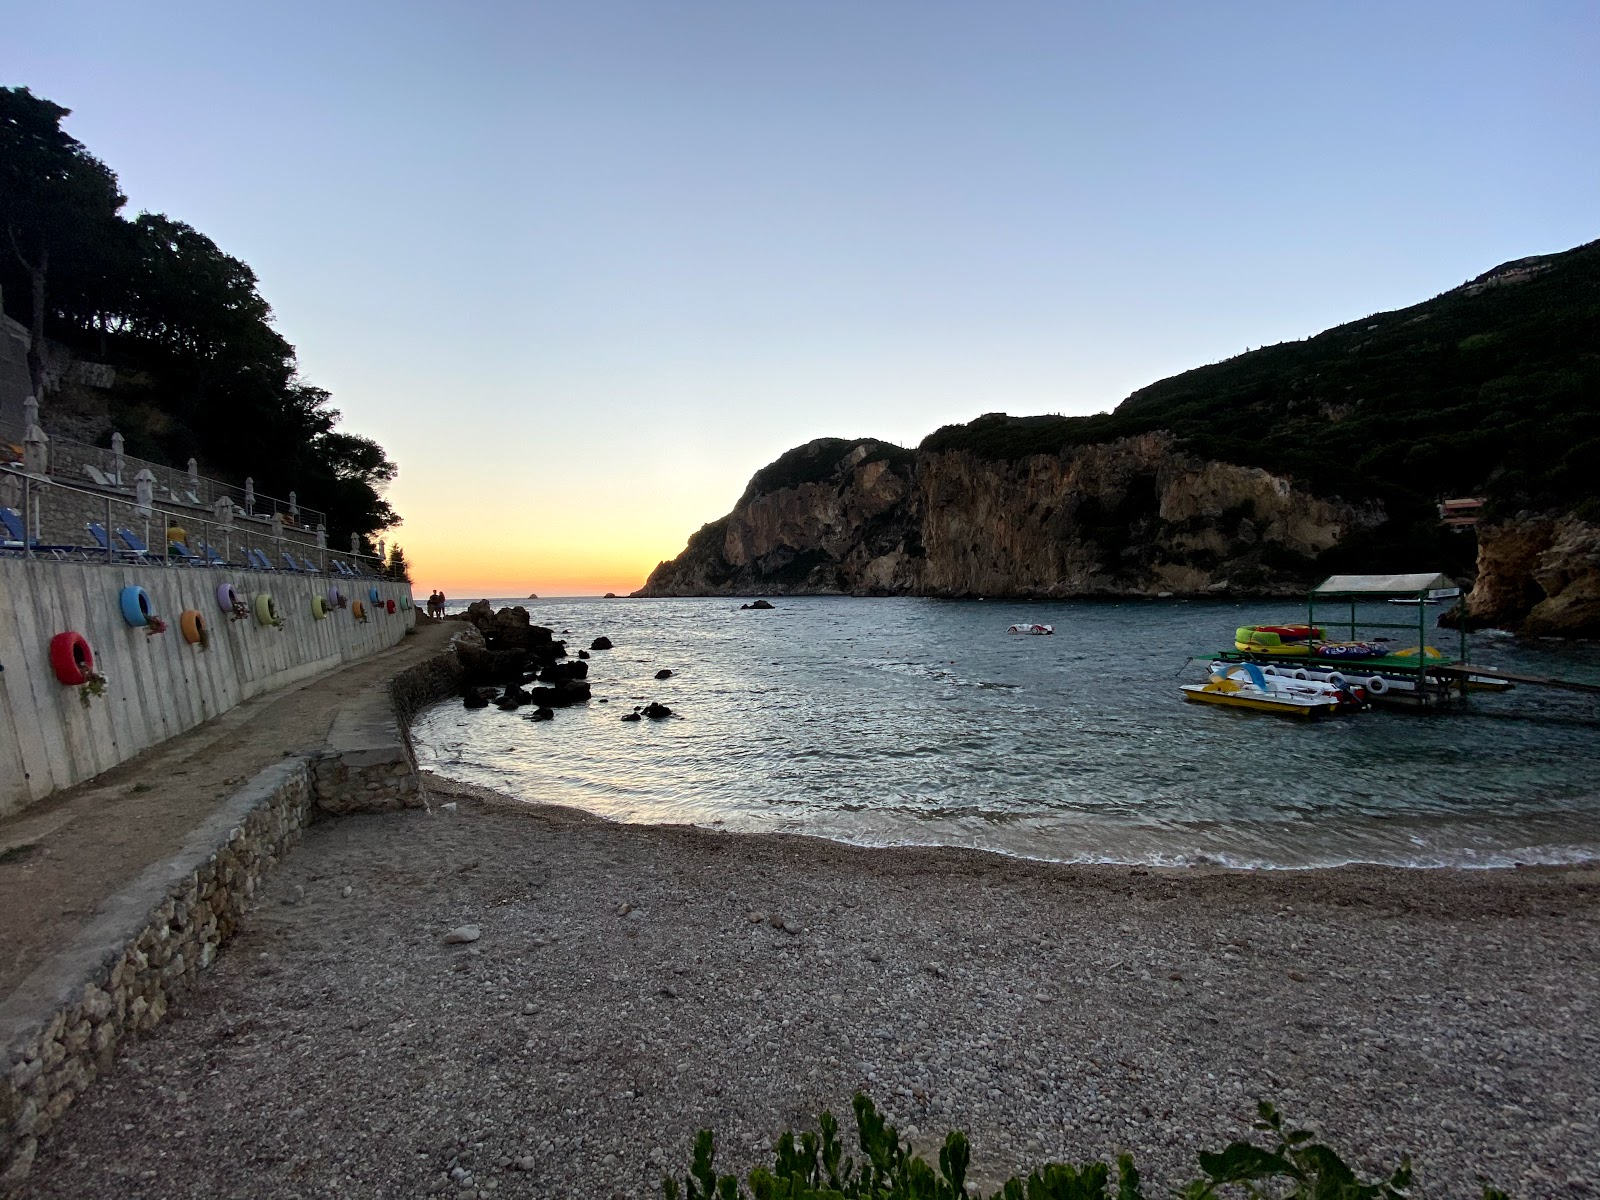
{"points": [[142, 950], [158, 685]]}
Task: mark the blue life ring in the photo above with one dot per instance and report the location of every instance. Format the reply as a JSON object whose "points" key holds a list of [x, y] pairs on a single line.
{"points": [[372, 594], [135, 602]]}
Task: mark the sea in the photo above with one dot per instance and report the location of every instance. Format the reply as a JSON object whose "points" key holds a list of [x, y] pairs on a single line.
{"points": [[899, 721]]}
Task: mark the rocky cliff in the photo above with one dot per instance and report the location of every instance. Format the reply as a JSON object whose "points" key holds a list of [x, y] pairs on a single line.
{"points": [[1133, 516], [1538, 575]]}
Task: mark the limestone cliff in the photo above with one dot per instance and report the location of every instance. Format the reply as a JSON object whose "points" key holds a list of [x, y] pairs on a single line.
{"points": [[1132, 516], [1538, 575]]}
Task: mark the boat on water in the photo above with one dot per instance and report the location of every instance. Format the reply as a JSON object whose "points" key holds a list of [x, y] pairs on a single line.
{"points": [[1414, 603], [1038, 630], [1246, 685]]}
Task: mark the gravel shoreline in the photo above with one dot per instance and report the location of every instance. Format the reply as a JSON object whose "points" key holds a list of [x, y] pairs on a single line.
{"points": [[633, 984]]}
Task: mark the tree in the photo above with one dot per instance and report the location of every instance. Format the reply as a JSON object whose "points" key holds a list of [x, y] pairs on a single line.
{"points": [[58, 204], [398, 568]]}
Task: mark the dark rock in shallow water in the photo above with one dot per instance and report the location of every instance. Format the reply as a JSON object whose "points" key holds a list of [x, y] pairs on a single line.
{"points": [[541, 714], [583, 654], [562, 671], [573, 691], [600, 643], [515, 695], [633, 716], [757, 604], [656, 711], [663, 674], [475, 699]]}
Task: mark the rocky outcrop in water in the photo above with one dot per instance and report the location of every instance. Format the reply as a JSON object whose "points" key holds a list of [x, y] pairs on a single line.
{"points": [[1538, 575], [1132, 516]]}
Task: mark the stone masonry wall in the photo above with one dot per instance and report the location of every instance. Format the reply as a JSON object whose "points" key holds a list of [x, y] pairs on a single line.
{"points": [[61, 1027]]}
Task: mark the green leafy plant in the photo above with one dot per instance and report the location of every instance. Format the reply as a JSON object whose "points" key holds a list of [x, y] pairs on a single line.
{"points": [[1292, 1165], [94, 684]]}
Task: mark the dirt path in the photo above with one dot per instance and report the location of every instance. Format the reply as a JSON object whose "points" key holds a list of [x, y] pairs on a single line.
{"points": [[635, 983], [62, 857]]}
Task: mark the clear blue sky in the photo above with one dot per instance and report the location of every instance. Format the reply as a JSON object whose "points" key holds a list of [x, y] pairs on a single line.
{"points": [[583, 267]]}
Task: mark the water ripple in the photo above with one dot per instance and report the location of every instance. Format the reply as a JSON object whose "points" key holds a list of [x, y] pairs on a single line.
{"points": [[888, 722]]}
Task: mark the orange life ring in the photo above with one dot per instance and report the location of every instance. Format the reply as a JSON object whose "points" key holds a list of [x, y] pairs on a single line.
{"points": [[71, 658], [193, 627], [358, 610]]}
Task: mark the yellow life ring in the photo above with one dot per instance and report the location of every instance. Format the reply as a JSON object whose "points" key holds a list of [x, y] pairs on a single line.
{"points": [[319, 607], [193, 627], [267, 609]]}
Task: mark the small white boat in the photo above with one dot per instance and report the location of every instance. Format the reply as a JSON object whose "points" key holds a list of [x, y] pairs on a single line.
{"points": [[1035, 629], [1413, 603]]}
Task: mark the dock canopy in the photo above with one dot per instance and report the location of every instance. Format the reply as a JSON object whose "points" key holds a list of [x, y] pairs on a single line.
{"points": [[1429, 584]]}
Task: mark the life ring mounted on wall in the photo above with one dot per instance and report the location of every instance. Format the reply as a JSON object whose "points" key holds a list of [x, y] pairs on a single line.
{"points": [[193, 627], [226, 597], [135, 604], [267, 610], [319, 608], [71, 658]]}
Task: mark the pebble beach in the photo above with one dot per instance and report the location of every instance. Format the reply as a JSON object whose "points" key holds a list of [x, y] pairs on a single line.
{"points": [[631, 984]]}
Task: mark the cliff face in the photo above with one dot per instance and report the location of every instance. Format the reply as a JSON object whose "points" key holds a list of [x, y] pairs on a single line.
{"points": [[1538, 575], [1129, 517]]}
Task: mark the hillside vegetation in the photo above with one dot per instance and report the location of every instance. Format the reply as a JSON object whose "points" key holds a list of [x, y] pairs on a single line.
{"points": [[201, 371], [1492, 389]]}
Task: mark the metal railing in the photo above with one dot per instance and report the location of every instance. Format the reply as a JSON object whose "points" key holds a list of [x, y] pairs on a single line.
{"points": [[56, 519], [179, 486]]}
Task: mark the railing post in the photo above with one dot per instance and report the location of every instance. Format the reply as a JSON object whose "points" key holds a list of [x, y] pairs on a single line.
{"points": [[110, 557], [27, 516]]}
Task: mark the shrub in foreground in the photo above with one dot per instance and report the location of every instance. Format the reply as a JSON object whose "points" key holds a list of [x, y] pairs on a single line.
{"points": [[1290, 1165]]}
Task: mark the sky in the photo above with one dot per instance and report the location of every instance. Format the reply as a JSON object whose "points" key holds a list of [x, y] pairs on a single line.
{"points": [[582, 268]]}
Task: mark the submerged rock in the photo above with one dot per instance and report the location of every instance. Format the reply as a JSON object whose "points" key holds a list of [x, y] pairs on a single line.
{"points": [[600, 643], [757, 604], [656, 711], [663, 674], [541, 714], [633, 716]]}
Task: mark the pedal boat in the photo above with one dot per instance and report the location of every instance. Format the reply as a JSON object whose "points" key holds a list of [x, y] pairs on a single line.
{"points": [[1244, 685]]}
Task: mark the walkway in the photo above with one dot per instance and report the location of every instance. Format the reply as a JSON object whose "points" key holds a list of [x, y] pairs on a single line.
{"points": [[64, 856]]}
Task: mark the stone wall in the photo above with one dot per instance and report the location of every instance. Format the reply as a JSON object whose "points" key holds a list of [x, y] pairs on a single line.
{"points": [[52, 736], [59, 516], [61, 1028], [369, 764]]}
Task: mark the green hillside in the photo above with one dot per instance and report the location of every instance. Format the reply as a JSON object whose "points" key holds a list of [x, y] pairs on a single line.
{"points": [[1492, 389]]}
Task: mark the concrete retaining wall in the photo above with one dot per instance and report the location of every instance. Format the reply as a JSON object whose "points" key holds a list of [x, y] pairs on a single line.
{"points": [[157, 686], [151, 940]]}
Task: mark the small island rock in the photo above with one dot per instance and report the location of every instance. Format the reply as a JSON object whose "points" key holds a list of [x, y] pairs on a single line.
{"points": [[600, 643], [663, 674]]}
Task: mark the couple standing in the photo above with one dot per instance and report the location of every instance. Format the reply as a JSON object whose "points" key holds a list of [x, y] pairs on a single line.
{"points": [[436, 605]]}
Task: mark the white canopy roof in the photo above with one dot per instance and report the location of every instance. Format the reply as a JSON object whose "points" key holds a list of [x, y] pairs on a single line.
{"points": [[1379, 585]]}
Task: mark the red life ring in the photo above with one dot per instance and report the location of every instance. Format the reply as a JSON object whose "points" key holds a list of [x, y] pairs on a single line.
{"points": [[71, 658], [388, 605]]}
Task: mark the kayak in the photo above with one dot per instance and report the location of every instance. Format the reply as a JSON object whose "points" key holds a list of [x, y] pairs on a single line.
{"points": [[1276, 639]]}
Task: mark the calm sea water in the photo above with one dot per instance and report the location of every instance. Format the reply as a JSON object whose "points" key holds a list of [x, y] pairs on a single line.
{"points": [[902, 721]]}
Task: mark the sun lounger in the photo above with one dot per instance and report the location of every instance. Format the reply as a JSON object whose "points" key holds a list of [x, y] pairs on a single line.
{"points": [[100, 479], [340, 567], [258, 560], [16, 538], [213, 559], [133, 542], [183, 552]]}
